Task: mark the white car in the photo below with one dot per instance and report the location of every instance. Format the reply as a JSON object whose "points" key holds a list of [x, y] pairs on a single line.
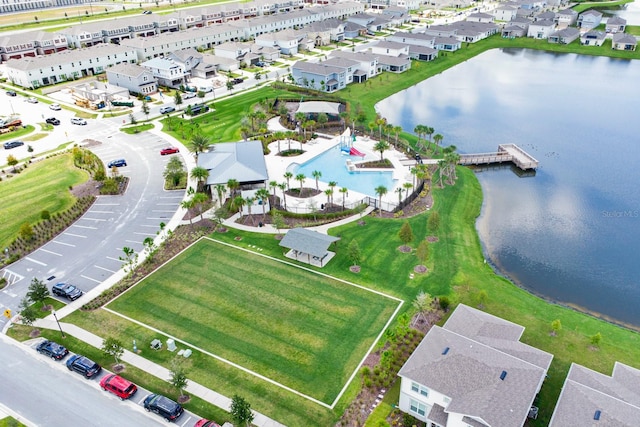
{"points": [[78, 121], [55, 107], [188, 95], [32, 100]]}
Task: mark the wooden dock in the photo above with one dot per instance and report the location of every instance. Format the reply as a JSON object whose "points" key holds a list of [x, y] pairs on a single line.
{"points": [[506, 153]]}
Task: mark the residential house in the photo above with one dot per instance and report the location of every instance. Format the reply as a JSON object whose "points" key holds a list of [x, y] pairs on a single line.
{"points": [[242, 161], [350, 66], [84, 35], [353, 30], [505, 12], [134, 78], [564, 36], [286, 41], [48, 43], [407, 4], [16, 46], [593, 38], [589, 398], [265, 53], [448, 44], [221, 63], [545, 16], [623, 41], [68, 65], [422, 53], [325, 32], [168, 73], [415, 39], [541, 29], [464, 31], [566, 17], [389, 48], [370, 21], [193, 63], [440, 31], [395, 64], [615, 24], [143, 26], [480, 17], [367, 64], [233, 50], [589, 19], [518, 27], [473, 371], [319, 76]]}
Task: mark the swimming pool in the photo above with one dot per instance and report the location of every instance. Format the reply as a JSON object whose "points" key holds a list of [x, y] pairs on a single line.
{"points": [[332, 164]]}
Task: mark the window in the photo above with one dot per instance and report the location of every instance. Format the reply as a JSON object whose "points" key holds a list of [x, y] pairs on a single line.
{"points": [[417, 388], [417, 407]]}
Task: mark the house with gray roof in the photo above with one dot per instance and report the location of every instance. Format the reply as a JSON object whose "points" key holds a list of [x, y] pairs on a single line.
{"points": [[615, 24], [422, 53], [516, 28], [505, 12], [168, 73], [134, 78], [31, 43], [541, 29], [448, 44], [589, 19], [417, 39], [242, 161], [325, 32], [473, 371], [353, 30], [545, 16], [623, 41], [593, 38], [285, 41], [564, 36], [589, 398], [319, 76], [221, 64], [384, 47], [193, 63], [480, 17], [367, 64], [566, 17]]}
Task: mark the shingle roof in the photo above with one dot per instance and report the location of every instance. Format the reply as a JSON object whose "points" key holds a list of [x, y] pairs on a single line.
{"points": [[70, 55], [242, 161], [625, 38], [127, 69], [307, 241], [318, 68]]}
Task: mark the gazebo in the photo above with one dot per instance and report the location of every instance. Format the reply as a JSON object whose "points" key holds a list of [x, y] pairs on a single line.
{"points": [[313, 246]]}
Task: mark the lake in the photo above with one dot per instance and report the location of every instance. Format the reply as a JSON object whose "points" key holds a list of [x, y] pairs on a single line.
{"points": [[629, 11], [571, 233]]}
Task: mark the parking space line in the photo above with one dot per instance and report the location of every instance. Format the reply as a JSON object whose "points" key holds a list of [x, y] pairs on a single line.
{"points": [[63, 243], [114, 259], [158, 210], [105, 212], [33, 260], [93, 219], [106, 204], [91, 278], [105, 269], [166, 204], [133, 241], [144, 234], [185, 422], [49, 252], [150, 226], [74, 235], [161, 218], [84, 226]]}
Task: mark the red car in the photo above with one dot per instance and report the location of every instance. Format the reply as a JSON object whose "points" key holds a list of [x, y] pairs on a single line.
{"points": [[169, 150], [206, 423], [119, 386]]}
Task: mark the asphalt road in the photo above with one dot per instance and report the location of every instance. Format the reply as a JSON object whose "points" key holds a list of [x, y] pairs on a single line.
{"points": [[89, 251]]}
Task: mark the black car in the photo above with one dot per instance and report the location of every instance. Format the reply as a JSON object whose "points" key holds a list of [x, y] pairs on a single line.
{"points": [[52, 349], [66, 290], [117, 163], [11, 93], [85, 367], [12, 144], [237, 81], [53, 121], [163, 406]]}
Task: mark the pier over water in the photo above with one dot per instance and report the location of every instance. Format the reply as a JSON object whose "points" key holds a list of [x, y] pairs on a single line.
{"points": [[506, 153]]}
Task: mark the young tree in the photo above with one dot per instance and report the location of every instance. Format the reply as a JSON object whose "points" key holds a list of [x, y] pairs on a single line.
{"points": [[26, 232], [301, 177], [28, 314], [433, 222], [423, 251], [178, 374], [380, 190], [187, 205], [556, 326], [174, 171], [129, 259], [278, 221], [112, 347], [406, 233], [288, 175], [241, 410], [423, 305], [199, 201], [37, 291], [353, 252], [145, 108], [220, 190], [595, 339], [177, 98], [381, 147], [12, 161]]}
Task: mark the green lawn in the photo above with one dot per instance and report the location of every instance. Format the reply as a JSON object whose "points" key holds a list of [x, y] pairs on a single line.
{"points": [[42, 186], [305, 331]]}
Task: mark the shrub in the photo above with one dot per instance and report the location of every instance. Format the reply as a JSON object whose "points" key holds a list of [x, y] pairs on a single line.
{"points": [[45, 215], [444, 303]]}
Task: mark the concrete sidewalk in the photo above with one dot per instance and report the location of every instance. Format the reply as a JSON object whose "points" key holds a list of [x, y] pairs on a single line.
{"points": [[156, 370]]}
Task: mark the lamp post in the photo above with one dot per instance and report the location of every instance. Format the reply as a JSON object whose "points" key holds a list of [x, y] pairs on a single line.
{"points": [[58, 322]]}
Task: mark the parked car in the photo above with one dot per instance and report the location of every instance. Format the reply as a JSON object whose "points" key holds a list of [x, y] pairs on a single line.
{"points": [[261, 64], [32, 100], [78, 121], [12, 144], [117, 163], [206, 423], [66, 290], [205, 89], [55, 107], [84, 366], [117, 385], [167, 110], [198, 108], [11, 93], [53, 121], [169, 150], [188, 95], [147, 12], [237, 80], [52, 349], [163, 406]]}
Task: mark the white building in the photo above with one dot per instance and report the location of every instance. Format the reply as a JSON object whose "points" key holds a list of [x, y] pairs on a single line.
{"points": [[134, 78]]}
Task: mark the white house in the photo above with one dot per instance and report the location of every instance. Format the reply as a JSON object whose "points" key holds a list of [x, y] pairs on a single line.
{"points": [[505, 12], [318, 76], [134, 78], [473, 371], [589, 19], [168, 73], [480, 17], [390, 48], [286, 41], [418, 39], [541, 29], [622, 41], [615, 24], [367, 63], [566, 17], [593, 38]]}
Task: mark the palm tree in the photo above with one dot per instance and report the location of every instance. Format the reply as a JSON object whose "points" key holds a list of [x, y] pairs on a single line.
{"points": [[397, 130], [283, 186], [428, 131], [414, 172], [233, 185], [248, 201], [332, 185], [220, 189], [199, 201], [442, 165], [238, 202], [345, 193], [316, 175], [399, 191], [263, 195], [328, 192], [380, 122], [300, 117], [300, 177], [388, 128], [381, 190], [381, 146], [437, 139], [187, 204], [418, 131], [371, 126], [288, 175], [407, 186], [200, 174], [199, 144], [273, 185]]}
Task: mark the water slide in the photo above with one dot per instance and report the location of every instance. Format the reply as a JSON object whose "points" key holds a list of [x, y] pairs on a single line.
{"points": [[355, 152]]}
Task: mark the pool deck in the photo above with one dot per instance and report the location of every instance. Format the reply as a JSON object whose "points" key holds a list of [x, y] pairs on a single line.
{"points": [[277, 166]]}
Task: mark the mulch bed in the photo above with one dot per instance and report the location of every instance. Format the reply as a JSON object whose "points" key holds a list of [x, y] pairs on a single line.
{"points": [[304, 194], [431, 239], [354, 269], [420, 269], [404, 249]]}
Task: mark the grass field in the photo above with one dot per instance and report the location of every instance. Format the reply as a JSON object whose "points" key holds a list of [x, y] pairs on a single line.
{"points": [[42, 186], [305, 331]]}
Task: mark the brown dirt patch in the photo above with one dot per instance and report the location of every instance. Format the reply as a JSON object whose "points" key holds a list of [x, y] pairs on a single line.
{"points": [[431, 239], [89, 188], [183, 398], [420, 269], [404, 249], [34, 333], [354, 269], [278, 236], [118, 368]]}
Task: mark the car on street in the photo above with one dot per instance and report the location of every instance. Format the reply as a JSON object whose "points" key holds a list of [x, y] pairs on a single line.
{"points": [[84, 366], [32, 100], [167, 110], [188, 95], [78, 121], [66, 290], [55, 107], [117, 385], [12, 144], [52, 349], [163, 406], [206, 423], [237, 80], [205, 89], [169, 150], [261, 64], [11, 93], [53, 121], [117, 163], [147, 12]]}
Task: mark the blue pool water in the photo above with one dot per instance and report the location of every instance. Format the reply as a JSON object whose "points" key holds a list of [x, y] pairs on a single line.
{"points": [[332, 164]]}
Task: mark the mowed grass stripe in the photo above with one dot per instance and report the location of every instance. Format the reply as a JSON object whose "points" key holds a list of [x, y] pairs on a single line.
{"points": [[303, 330]]}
